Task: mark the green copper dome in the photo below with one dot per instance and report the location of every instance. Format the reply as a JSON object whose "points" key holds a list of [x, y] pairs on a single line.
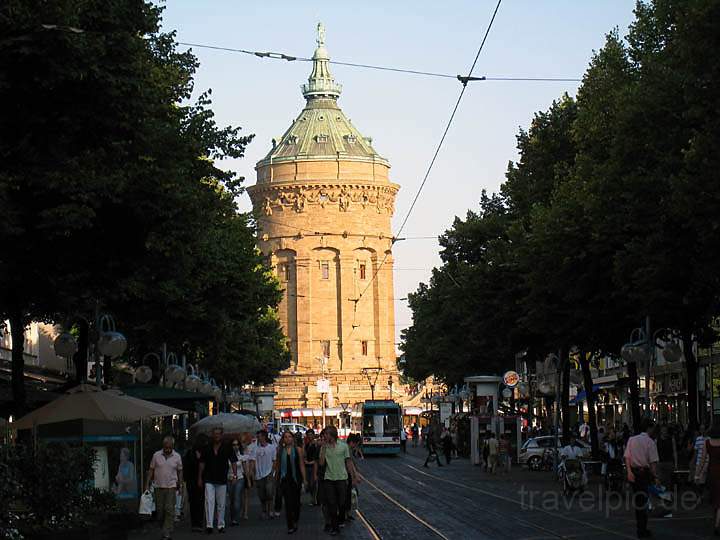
{"points": [[321, 130]]}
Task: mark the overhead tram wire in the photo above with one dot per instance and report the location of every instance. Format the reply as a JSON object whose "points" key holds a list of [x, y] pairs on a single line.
{"points": [[293, 58], [435, 155]]}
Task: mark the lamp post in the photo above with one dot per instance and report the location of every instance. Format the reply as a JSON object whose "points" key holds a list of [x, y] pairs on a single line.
{"points": [[632, 352], [322, 386], [559, 365]]}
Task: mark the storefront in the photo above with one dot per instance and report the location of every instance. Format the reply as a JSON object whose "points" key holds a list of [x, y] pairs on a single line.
{"points": [[668, 393]]}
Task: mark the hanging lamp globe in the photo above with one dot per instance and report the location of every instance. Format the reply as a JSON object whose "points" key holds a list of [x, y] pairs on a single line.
{"points": [[65, 345], [112, 344]]}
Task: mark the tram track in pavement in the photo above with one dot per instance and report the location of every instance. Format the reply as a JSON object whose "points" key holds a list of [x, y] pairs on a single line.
{"points": [[521, 506], [419, 490], [375, 531]]}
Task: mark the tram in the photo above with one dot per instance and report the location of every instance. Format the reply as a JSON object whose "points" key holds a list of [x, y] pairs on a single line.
{"points": [[381, 424]]}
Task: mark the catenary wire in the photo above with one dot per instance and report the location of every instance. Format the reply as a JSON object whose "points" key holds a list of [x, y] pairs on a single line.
{"points": [[437, 149], [292, 58]]}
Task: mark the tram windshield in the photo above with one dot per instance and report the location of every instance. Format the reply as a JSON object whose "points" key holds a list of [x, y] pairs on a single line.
{"points": [[381, 423]]}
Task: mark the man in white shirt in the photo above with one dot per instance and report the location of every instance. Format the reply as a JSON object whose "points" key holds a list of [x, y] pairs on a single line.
{"points": [[641, 458], [571, 450], [262, 453]]}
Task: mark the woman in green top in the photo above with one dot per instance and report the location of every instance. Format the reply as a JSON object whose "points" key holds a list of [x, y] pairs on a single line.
{"points": [[335, 456]]}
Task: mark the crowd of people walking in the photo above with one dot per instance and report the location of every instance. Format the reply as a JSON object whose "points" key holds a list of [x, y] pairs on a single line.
{"points": [[220, 475]]}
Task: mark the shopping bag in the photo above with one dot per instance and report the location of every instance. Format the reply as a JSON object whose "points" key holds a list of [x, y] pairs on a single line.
{"points": [[178, 507], [147, 504], [354, 499]]}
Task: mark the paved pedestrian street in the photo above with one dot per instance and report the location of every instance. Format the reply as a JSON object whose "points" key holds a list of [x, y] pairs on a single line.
{"points": [[399, 498]]}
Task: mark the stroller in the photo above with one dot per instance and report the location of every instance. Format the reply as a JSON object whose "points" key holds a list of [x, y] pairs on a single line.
{"points": [[572, 475]]}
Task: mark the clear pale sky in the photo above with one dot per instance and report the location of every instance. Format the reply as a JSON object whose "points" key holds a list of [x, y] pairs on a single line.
{"points": [[404, 114]]}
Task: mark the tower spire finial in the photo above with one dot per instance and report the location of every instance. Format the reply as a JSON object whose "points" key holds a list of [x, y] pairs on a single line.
{"points": [[320, 34], [321, 83]]}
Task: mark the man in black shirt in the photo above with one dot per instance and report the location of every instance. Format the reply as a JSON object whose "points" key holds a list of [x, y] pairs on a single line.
{"points": [[215, 462]]}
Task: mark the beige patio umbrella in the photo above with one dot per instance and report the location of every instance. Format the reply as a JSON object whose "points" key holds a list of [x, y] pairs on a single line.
{"points": [[92, 403]]}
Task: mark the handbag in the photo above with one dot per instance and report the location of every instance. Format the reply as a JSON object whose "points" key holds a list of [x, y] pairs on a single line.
{"points": [[147, 504]]}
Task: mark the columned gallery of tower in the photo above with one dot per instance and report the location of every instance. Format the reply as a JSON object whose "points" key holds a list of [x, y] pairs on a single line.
{"points": [[324, 203]]}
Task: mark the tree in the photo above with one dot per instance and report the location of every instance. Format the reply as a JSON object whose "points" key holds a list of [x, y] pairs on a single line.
{"points": [[112, 192]]}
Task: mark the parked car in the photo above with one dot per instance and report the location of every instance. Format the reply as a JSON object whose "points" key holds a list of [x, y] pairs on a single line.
{"points": [[531, 453], [293, 428]]}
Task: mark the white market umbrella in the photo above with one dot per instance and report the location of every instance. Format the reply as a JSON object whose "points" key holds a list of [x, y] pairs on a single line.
{"points": [[230, 422], [92, 403]]}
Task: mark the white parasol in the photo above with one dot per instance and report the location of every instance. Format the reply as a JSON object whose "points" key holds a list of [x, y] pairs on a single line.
{"points": [[230, 422]]}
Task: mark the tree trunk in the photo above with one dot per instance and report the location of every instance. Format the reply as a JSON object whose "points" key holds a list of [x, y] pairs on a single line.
{"points": [[17, 333], [565, 399], [634, 396], [691, 368], [80, 358], [590, 397]]}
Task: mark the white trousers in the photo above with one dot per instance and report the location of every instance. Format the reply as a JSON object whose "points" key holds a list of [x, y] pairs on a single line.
{"points": [[215, 493]]}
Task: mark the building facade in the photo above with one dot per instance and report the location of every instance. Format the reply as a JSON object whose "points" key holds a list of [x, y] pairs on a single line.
{"points": [[324, 203]]}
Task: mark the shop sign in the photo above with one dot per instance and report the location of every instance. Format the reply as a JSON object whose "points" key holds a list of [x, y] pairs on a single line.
{"points": [[675, 384], [445, 411], [511, 379]]}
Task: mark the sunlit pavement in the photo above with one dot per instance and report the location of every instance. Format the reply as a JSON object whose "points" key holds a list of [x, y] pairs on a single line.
{"points": [[399, 498]]}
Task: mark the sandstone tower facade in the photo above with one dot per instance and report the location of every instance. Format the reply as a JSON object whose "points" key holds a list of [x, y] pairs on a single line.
{"points": [[324, 203]]}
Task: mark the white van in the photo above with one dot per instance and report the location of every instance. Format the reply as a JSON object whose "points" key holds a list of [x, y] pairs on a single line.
{"points": [[293, 428]]}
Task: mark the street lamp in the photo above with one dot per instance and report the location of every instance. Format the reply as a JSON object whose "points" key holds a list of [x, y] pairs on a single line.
{"points": [[109, 343], [66, 346]]}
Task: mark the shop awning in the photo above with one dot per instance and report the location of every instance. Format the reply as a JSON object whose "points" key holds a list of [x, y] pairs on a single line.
{"points": [[314, 413], [600, 382]]}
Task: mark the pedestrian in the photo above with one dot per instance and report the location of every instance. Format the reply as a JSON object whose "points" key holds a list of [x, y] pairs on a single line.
{"points": [[311, 453], [504, 452], [431, 446], [584, 431], [666, 457], [356, 446], [335, 455], [403, 440], [290, 473], [455, 440], [447, 445], [249, 474], [353, 443], [423, 435], [696, 452], [415, 434], [215, 461], [319, 482], [166, 472], [262, 453], [236, 488], [709, 472], [195, 495], [641, 458], [492, 445], [485, 451]]}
